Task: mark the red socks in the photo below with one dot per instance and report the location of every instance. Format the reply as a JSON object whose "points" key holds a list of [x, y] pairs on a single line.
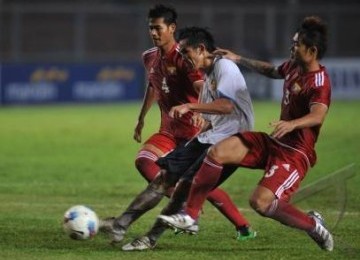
{"points": [[288, 215], [221, 200], [204, 181], [145, 163], [201, 190]]}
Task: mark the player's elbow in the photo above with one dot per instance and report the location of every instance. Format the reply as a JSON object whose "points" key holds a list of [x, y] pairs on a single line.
{"points": [[226, 106], [318, 113], [318, 120]]}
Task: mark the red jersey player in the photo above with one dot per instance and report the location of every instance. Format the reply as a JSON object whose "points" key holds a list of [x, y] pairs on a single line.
{"points": [[171, 82], [288, 153]]}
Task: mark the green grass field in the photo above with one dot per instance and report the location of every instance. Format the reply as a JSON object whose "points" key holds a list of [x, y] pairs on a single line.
{"points": [[53, 157]]}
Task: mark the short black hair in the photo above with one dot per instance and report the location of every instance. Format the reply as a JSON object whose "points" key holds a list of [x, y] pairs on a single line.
{"points": [[313, 32], [161, 11], [195, 36]]}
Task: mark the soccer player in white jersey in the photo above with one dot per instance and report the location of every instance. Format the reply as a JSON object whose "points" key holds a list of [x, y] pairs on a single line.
{"points": [[226, 108]]}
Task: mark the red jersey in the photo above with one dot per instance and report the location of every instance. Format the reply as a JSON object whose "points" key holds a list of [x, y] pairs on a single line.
{"points": [[172, 79], [299, 93]]}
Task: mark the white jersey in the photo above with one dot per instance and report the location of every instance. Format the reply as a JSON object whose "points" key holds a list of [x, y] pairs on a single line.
{"points": [[226, 81]]}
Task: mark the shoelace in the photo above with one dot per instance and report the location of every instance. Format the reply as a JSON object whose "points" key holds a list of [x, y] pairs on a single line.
{"points": [[139, 242], [179, 218]]}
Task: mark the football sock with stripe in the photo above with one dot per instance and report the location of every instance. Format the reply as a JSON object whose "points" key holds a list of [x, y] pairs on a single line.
{"points": [[289, 215], [203, 182]]}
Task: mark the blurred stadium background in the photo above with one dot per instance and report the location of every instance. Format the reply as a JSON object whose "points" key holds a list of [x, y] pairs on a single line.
{"points": [[90, 51]]}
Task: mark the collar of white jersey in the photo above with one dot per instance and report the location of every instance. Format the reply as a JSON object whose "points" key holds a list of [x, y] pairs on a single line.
{"points": [[216, 59]]}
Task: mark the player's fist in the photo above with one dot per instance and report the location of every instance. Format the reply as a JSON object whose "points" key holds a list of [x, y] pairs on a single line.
{"points": [[179, 111]]}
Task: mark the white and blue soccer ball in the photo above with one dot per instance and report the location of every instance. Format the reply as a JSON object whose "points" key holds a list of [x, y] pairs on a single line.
{"points": [[81, 222]]}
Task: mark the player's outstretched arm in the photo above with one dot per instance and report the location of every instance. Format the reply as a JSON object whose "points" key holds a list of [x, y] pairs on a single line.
{"points": [[265, 68]]}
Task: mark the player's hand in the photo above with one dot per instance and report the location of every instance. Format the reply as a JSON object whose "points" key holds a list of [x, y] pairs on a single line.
{"points": [[179, 111], [138, 130], [198, 121], [227, 54], [281, 128]]}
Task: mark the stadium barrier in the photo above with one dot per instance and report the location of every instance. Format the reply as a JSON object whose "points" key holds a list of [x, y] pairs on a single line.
{"points": [[38, 83], [52, 83]]}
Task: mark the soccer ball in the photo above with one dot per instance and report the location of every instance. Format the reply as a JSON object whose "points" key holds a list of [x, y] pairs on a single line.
{"points": [[80, 222]]}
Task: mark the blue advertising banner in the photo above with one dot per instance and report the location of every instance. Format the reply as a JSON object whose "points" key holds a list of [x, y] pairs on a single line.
{"points": [[48, 83]]}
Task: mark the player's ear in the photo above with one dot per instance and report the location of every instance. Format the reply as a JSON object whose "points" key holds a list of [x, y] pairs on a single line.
{"points": [[313, 50], [172, 27], [202, 47]]}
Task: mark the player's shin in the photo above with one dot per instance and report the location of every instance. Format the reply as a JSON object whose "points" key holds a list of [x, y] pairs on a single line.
{"points": [[222, 201], [174, 205], [289, 215], [156, 230], [178, 198], [144, 202], [204, 181]]}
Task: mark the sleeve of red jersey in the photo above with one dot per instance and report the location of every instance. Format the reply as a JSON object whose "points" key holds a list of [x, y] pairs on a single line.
{"points": [[284, 68], [321, 90]]}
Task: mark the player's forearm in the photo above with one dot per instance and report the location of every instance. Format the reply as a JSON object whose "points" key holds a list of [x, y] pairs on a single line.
{"points": [[262, 67], [149, 99], [314, 118], [219, 106]]}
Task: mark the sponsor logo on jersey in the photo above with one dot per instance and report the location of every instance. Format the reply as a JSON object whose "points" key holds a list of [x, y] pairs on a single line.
{"points": [[171, 70], [296, 88]]}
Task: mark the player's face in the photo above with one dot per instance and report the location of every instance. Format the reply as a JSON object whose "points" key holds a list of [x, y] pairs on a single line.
{"points": [[161, 33], [294, 46], [299, 52], [191, 54]]}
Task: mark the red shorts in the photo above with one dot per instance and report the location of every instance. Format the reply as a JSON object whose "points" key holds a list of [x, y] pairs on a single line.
{"points": [[284, 167], [164, 142]]}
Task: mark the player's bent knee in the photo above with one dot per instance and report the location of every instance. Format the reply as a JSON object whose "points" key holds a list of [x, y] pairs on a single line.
{"points": [[158, 184], [140, 163], [146, 167], [228, 151], [168, 180], [216, 154], [259, 205]]}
